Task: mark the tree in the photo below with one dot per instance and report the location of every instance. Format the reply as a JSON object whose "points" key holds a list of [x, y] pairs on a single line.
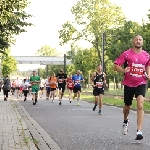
{"points": [[92, 18], [120, 39], [146, 34], [47, 51], [9, 64], [12, 21]]}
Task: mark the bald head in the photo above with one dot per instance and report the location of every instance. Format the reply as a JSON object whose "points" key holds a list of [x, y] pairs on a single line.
{"points": [[78, 72], [137, 41]]}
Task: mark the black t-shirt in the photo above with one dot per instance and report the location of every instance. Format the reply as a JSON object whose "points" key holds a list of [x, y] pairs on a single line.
{"points": [[61, 77], [99, 80]]}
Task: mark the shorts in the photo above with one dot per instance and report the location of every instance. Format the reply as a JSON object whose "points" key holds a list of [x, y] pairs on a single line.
{"points": [[12, 89], [53, 89], [98, 91], [41, 88], [48, 89], [61, 87], [17, 88], [130, 92], [35, 90], [76, 89], [70, 88]]}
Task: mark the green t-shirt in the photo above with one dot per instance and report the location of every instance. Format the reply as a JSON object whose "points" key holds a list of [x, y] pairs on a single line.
{"points": [[34, 79]]}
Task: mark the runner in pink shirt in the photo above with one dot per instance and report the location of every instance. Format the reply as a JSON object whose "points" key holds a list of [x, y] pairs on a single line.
{"points": [[136, 72]]}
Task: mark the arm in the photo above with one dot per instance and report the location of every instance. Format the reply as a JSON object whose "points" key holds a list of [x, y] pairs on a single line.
{"points": [[148, 72], [104, 78], [120, 69], [65, 77], [92, 78]]}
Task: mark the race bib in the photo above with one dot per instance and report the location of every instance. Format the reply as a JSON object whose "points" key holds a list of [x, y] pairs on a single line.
{"points": [[99, 84], [77, 81], [25, 87], [136, 70], [60, 80], [70, 85]]}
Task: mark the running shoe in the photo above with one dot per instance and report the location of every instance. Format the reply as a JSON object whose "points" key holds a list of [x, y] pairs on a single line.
{"points": [[99, 112], [60, 103], [70, 101], [94, 107], [139, 135], [78, 104], [125, 128]]}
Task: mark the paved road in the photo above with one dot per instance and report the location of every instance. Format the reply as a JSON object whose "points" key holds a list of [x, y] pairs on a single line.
{"points": [[79, 128]]}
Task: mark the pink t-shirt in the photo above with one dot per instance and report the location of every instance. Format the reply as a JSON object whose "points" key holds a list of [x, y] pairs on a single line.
{"points": [[137, 64]]}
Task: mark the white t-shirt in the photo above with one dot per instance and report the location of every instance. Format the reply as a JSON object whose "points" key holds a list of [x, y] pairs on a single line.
{"points": [[18, 83], [25, 85], [42, 84]]}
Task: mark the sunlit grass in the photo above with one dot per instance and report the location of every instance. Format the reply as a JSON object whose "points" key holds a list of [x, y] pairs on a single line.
{"points": [[116, 101]]}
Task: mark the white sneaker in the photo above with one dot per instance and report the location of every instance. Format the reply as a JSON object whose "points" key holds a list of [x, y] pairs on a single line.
{"points": [[125, 128], [139, 135]]}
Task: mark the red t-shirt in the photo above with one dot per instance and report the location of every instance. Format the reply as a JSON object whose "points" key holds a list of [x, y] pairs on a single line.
{"points": [[70, 83]]}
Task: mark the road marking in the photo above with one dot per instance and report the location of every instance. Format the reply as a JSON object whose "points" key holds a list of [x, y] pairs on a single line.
{"points": [[81, 109]]}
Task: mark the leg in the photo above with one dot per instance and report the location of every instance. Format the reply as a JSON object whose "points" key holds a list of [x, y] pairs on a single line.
{"points": [[4, 91], [100, 103], [60, 92], [95, 93], [47, 94], [53, 95], [6, 95], [75, 92], [69, 94], [34, 98], [126, 111], [140, 112], [78, 98], [25, 94]]}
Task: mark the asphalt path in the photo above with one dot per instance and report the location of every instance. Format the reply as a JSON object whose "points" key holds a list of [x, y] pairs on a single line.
{"points": [[75, 127]]}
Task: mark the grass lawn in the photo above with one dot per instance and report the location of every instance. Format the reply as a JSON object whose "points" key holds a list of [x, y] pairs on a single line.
{"points": [[112, 101]]}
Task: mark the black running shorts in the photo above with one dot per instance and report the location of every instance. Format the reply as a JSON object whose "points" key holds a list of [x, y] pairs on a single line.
{"points": [[98, 91], [130, 92], [61, 87], [76, 89]]}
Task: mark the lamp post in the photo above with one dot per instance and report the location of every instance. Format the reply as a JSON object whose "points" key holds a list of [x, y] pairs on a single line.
{"points": [[103, 41]]}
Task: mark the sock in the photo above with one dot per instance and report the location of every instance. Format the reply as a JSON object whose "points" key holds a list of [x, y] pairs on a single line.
{"points": [[126, 121]]}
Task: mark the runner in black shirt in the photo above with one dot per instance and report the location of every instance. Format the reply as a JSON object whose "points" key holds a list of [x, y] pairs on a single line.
{"points": [[61, 78]]}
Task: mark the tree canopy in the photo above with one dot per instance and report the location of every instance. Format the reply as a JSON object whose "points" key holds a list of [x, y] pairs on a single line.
{"points": [[13, 20]]}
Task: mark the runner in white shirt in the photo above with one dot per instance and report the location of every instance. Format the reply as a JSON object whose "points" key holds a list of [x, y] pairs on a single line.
{"points": [[25, 86], [17, 83], [42, 85]]}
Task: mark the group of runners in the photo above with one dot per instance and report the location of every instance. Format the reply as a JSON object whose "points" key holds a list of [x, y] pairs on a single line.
{"points": [[134, 63], [57, 83], [54, 84]]}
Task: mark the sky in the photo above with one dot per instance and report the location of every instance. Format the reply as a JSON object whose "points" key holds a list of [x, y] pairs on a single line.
{"points": [[49, 15]]}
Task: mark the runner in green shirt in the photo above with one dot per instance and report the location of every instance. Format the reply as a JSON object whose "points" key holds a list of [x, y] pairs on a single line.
{"points": [[35, 81]]}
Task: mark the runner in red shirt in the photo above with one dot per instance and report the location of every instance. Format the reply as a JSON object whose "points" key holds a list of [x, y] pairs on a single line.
{"points": [[70, 86]]}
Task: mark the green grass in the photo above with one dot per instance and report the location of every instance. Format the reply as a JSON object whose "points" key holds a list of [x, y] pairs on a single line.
{"points": [[111, 101], [115, 92]]}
